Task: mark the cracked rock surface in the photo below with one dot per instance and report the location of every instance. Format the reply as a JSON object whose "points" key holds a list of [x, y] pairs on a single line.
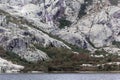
{"points": [[87, 24]]}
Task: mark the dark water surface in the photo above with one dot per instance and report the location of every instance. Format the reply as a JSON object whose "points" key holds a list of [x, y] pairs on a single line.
{"points": [[60, 76]]}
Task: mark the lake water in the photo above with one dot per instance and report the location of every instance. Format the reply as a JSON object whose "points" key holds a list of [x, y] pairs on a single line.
{"points": [[60, 77]]}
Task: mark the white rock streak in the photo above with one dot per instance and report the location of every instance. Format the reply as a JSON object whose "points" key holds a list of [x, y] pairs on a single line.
{"points": [[9, 67]]}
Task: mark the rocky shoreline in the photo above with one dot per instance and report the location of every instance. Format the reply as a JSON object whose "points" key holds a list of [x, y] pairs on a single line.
{"points": [[65, 72]]}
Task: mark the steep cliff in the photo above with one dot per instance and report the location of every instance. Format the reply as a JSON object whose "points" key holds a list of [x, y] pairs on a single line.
{"points": [[27, 27]]}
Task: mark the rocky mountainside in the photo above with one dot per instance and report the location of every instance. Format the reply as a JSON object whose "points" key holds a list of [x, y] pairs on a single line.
{"points": [[28, 27]]}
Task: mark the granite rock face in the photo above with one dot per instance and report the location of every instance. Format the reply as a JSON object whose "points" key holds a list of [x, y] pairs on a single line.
{"points": [[88, 24], [21, 39]]}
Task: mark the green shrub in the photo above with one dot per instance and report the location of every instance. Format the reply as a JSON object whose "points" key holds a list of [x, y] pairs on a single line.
{"points": [[114, 2], [63, 22], [116, 43], [82, 10]]}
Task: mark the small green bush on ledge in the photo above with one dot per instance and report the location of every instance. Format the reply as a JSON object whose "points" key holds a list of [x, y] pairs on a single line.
{"points": [[116, 43], [63, 22]]}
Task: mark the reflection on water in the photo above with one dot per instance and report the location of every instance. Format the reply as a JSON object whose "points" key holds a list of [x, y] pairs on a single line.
{"points": [[60, 77]]}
